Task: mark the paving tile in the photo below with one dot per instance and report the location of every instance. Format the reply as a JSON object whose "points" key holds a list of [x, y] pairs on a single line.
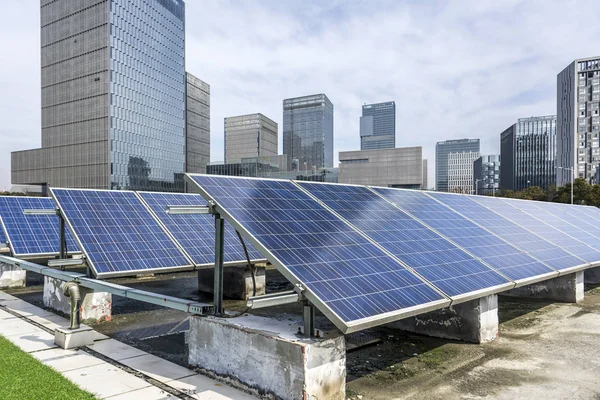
{"points": [[157, 368], [116, 350], [5, 315], [27, 309], [33, 341], [105, 380], [14, 326], [202, 387], [5, 297], [149, 393], [66, 360], [50, 321]]}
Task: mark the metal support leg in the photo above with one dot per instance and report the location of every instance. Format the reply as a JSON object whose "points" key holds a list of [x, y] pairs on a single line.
{"points": [[219, 245], [63, 239], [309, 320]]}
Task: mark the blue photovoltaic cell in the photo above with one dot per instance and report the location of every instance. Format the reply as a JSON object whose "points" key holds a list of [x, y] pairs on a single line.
{"points": [[31, 235], [535, 245], [575, 219], [539, 227], [344, 270], [195, 233], [498, 254], [448, 267], [118, 233]]}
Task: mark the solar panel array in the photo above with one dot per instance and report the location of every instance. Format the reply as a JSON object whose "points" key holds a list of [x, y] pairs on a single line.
{"points": [[31, 236], [369, 255]]}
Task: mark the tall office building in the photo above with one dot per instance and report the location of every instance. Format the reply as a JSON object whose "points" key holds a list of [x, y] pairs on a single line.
{"points": [[249, 136], [113, 96], [442, 149], [528, 153], [308, 131], [578, 121], [197, 125], [486, 175], [425, 181], [378, 126], [460, 172]]}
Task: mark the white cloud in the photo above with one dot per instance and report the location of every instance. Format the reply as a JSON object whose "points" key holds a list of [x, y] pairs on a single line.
{"points": [[455, 69]]}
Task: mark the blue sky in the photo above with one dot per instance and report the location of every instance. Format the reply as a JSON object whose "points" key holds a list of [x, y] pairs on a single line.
{"points": [[455, 68]]}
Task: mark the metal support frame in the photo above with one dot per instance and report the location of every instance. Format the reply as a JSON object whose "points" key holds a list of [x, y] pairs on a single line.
{"points": [[63, 237], [219, 254], [309, 319]]}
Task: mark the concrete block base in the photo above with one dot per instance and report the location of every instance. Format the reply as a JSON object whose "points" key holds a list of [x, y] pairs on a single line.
{"points": [[67, 338], [566, 289], [267, 355], [592, 276], [237, 281], [11, 276], [475, 321], [95, 306]]}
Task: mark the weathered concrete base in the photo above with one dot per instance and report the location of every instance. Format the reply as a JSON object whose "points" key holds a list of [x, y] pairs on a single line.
{"points": [[67, 338], [237, 281], [11, 276], [267, 355], [566, 289], [95, 306], [592, 276], [474, 321]]}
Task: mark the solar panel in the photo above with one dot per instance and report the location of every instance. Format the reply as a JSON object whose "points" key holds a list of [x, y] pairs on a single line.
{"points": [[2, 235], [118, 234], [448, 267], [195, 233], [32, 235], [533, 244], [495, 252], [580, 222], [552, 234], [351, 280]]}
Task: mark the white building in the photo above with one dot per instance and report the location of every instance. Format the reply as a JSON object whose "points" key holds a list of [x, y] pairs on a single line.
{"points": [[460, 171]]}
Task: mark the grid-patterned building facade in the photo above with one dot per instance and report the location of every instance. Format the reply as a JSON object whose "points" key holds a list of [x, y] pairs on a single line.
{"points": [[460, 171], [442, 149], [578, 121], [378, 126], [308, 131], [113, 96], [528, 153], [250, 136], [197, 125], [486, 175]]}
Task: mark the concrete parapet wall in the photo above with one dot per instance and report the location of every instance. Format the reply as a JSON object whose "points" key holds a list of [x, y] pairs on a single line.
{"points": [[474, 321], [237, 281], [95, 306], [267, 355], [566, 289], [11, 276]]}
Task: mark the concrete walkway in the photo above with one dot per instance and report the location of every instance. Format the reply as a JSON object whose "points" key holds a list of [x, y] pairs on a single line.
{"points": [[119, 372]]}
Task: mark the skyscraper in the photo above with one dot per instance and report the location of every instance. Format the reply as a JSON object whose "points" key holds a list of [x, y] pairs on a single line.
{"points": [[460, 172], [486, 175], [578, 121], [528, 153], [308, 131], [113, 96], [197, 125], [442, 149], [378, 126], [249, 136]]}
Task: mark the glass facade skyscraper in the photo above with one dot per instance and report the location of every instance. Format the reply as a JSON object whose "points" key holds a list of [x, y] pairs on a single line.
{"points": [[308, 131], [113, 96], [528, 153], [442, 149], [378, 126], [250, 136], [486, 175]]}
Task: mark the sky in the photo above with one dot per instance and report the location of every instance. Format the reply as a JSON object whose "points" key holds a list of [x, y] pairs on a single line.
{"points": [[456, 69]]}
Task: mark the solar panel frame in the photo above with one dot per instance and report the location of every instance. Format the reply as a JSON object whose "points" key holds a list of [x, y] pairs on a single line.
{"points": [[345, 327], [15, 245], [3, 240], [114, 274], [230, 236]]}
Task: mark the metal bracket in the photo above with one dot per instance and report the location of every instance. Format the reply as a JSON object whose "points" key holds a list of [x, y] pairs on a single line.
{"points": [[309, 319], [274, 299], [187, 210]]}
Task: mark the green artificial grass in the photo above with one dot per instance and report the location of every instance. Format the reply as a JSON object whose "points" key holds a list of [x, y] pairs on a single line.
{"points": [[23, 377]]}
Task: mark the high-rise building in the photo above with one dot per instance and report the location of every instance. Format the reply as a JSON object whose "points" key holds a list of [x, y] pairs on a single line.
{"points": [[425, 180], [460, 172], [399, 167], [486, 175], [578, 121], [528, 153], [113, 96], [378, 126], [249, 136], [308, 131], [197, 125], [442, 149]]}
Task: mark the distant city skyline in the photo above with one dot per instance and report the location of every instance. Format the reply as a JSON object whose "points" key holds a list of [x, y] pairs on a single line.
{"points": [[445, 93]]}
